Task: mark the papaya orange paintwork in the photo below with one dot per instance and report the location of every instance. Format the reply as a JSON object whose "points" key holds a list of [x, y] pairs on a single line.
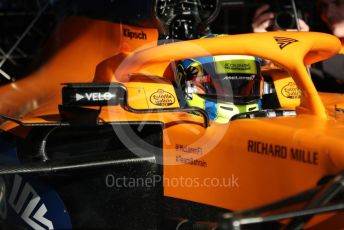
{"points": [[74, 49], [260, 160]]}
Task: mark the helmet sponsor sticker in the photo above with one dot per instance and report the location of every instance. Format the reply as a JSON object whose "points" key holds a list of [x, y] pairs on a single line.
{"points": [[291, 91], [162, 98], [236, 66], [240, 77]]}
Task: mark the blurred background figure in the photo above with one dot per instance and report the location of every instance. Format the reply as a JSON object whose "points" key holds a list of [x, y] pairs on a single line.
{"points": [[332, 13], [328, 76], [266, 19]]}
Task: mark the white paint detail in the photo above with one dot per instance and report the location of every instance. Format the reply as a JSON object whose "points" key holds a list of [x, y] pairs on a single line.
{"points": [[79, 97], [39, 216], [14, 193], [28, 211], [99, 96], [30, 196]]}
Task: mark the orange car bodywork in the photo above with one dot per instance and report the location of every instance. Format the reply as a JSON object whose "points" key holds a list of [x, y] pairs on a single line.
{"points": [[266, 159]]}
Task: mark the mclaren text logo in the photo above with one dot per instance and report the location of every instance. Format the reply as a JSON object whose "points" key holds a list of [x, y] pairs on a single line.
{"points": [[130, 34], [283, 41], [97, 96], [162, 98], [25, 200]]}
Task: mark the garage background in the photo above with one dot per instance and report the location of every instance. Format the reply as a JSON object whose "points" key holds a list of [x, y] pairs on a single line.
{"points": [[26, 25]]}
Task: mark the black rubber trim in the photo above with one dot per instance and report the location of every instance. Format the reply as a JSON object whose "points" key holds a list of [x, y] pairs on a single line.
{"points": [[123, 103], [264, 113], [11, 119], [202, 112]]}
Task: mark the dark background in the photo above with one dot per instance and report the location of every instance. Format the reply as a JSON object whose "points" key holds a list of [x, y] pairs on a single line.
{"points": [[26, 25]]}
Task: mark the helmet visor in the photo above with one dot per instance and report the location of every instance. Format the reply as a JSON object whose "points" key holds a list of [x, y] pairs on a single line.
{"points": [[230, 78]]}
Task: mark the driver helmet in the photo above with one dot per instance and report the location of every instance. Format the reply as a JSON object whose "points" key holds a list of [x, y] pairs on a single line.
{"points": [[223, 85]]}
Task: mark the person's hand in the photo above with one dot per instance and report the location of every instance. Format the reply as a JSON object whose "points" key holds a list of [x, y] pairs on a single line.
{"points": [[303, 26], [263, 18]]}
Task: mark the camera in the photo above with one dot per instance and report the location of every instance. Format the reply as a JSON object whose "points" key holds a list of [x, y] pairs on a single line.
{"points": [[285, 17]]}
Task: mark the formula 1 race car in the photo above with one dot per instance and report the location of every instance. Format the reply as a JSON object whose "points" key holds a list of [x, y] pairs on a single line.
{"points": [[172, 136]]}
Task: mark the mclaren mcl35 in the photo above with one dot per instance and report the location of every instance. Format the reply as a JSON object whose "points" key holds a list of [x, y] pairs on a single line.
{"points": [[116, 131]]}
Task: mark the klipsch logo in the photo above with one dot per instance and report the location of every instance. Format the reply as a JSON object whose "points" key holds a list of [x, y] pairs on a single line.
{"points": [[162, 98], [283, 41], [136, 35], [291, 91]]}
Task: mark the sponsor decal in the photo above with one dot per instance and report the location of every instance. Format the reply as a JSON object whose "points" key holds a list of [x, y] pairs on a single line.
{"points": [[283, 152], [96, 96], [162, 98], [236, 66], [238, 77], [188, 149], [291, 91], [284, 41], [134, 35], [34, 210], [27, 202], [191, 161]]}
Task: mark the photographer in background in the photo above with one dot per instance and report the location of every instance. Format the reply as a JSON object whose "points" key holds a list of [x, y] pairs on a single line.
{"points": [[328, 76], [264, 20]]}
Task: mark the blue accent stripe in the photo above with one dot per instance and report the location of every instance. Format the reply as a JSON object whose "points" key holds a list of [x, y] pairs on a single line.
{"points": [[186, 63], [205, 60], [210, 108]]}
